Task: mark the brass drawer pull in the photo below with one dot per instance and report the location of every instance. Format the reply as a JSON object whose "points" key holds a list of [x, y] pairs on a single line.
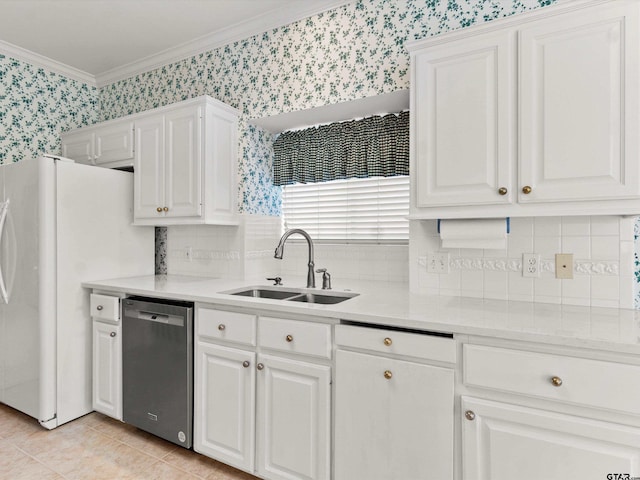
{"points": [[388, 374], [470, 415], [246, 364], [221, 327], [526, 189], [289, 338], [503, 191], [388, 342], [556, 381]]}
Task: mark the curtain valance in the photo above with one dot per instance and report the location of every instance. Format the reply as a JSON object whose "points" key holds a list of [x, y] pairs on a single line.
{"points": [[371, 147]]}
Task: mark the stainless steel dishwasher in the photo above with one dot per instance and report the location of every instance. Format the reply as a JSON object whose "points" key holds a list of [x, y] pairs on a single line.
{"points": [[157, 367]]}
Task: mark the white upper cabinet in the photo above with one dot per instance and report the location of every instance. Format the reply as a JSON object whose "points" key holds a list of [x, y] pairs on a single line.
{"points": [[184, 157], [463, 121], [579, 105], [535, 114], [185, 164], [106, 145]]}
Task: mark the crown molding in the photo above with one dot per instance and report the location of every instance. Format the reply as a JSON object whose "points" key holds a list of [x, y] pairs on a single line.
{"points": [[41, 61], [238, 31]]}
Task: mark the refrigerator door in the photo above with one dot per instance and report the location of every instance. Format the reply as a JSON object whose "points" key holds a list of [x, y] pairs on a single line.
{"points": [[27, 260]]}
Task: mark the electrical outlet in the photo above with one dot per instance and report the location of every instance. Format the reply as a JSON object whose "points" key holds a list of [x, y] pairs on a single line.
{"points": [[564, 265], [530, 265], [438, 263]]}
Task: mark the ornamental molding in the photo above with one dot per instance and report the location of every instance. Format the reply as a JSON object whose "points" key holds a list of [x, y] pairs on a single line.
{"points": [[504, 264]]}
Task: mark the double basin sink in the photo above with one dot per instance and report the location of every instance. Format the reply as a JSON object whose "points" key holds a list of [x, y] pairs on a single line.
{"points": [[292, 295]]}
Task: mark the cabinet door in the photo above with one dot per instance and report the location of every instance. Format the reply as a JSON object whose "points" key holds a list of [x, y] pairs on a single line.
{"points": [[463, 123], [107, 369], [78, 146], [504, 442], [294, 420], [183, 162], [224, 410], [149, 168], [114, 143], [395, 428], [579, 105]]}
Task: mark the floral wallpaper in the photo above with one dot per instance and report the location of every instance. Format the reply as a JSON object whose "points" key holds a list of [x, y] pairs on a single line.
{"points": [[36, 105], [350, 52]]}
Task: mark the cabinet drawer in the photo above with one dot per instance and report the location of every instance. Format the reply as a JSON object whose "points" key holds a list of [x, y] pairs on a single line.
{"points": [[581, 381], [295, 336], [381, 340], [105, 307], [229, 326]]}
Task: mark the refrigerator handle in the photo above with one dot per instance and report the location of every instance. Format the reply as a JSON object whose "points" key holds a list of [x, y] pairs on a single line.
{"points": [[4, 209]]}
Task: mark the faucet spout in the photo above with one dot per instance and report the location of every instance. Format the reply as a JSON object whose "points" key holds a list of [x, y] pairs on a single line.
{"points": [[311, 279]]}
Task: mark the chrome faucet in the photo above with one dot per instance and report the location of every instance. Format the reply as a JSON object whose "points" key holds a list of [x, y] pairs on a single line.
{"points": [[311, 278]]}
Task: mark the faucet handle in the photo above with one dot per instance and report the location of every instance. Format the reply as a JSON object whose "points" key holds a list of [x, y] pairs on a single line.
{"points": [[277, 280], [326, 278]]}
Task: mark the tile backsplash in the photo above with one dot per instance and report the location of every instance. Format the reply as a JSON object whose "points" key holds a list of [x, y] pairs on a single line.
{"points": [[602, 248]]}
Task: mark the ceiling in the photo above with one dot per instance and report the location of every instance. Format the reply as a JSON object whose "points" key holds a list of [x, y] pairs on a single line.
{"points": [[105, 40]]}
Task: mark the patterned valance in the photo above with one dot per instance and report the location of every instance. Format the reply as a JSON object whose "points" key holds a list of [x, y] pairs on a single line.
{"points": [[371, 147]]}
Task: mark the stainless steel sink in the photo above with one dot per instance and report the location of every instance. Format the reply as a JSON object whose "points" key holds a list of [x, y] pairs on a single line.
{"points": [[321, 298], [278, 294], [293, 295]]}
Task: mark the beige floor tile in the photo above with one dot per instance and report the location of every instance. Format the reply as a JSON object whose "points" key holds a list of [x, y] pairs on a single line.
{"points": [[96, 447], [14, 424], [163, 471], [17, 465], [149, 444]]}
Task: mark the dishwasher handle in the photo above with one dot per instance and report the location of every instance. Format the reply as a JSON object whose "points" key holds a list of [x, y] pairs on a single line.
{"points": [[155, 317]]}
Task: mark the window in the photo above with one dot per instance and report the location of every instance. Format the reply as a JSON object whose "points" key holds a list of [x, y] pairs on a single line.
{"points": [[357, 210]]}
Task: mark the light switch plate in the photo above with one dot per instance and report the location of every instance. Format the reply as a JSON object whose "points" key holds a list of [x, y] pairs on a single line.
{"points": [[564, 265]]}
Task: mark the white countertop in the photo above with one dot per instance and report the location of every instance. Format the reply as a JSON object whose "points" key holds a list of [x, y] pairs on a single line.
{"points": [[391, 304]]}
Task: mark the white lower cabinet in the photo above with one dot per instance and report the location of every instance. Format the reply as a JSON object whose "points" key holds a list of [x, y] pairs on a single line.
{"points": [[503, 441], [533, 412], [266, 413], [294, 419], [225, 404], [107, 369], [107, 355], [394, 418]]}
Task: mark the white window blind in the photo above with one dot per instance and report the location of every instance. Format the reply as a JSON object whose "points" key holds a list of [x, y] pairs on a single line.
{"points": [[350, 211]]}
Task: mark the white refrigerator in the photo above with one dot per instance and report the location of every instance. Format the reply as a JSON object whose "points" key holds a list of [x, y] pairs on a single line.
{"points": [[61, 223]]}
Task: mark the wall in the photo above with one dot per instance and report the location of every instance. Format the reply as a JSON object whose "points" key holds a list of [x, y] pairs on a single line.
{"points": [[602, 247], [36, 106]]}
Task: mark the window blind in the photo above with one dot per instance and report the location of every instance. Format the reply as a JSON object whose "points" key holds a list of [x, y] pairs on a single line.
{"points": [[350, 211]]}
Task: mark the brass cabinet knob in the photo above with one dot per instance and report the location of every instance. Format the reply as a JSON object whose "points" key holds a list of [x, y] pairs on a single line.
{"points": [[556, 381], [99, 307], [388, 341], [526, 189], [221, 327], [388, 374], [260, 366], [159, 209], [289, 338], [166, 209], [469, 415], [246, 364], [112, 334], [503, 191]]}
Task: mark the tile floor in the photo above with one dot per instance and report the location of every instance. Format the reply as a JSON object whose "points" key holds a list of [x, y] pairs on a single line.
{"points": [[96, 447]]}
